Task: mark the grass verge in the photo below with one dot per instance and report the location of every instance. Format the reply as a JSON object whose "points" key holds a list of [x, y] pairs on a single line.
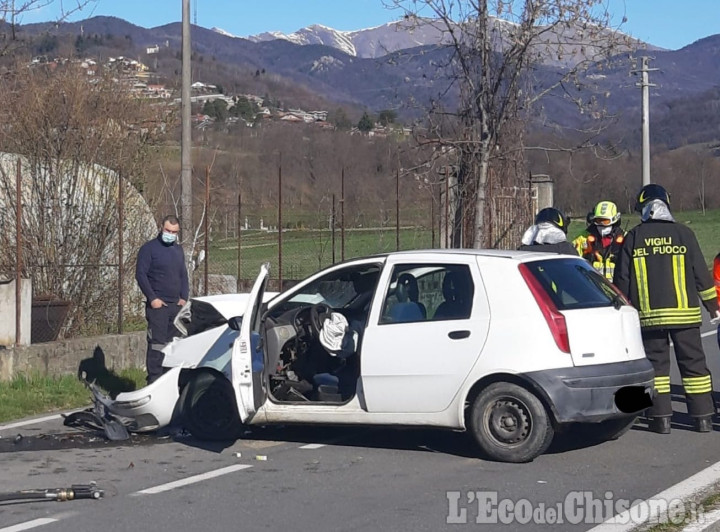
{"points": [[29, 395]]}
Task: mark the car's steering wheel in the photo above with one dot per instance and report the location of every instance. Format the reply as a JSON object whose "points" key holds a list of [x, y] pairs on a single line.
{"points": [[318, 314]]}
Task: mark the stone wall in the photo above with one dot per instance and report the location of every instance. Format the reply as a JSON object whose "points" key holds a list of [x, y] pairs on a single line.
{"points": [[65, 357]]}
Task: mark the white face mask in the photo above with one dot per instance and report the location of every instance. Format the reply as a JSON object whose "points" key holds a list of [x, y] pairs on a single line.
{"points": [[168, 238], [604, 230]]}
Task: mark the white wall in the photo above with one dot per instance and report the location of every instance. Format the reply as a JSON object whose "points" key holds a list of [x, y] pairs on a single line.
{"points": [[7, 312]]}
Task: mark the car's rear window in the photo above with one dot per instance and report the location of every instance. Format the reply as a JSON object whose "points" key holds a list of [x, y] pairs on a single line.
{"points": [[574, 284]]}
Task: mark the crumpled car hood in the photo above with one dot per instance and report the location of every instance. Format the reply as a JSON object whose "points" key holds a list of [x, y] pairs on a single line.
{"points": [[214, 343]]}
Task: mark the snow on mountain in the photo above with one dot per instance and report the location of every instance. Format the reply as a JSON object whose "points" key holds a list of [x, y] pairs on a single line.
{"points": [[370, 42], [223, 32]]}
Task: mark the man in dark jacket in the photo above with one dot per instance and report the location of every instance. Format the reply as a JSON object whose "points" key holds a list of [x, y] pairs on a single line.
{"points": [[549, 233], [662, 271], [162, 276]]}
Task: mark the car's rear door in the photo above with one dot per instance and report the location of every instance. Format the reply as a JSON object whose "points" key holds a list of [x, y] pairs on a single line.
{"points": [[412, 364]]}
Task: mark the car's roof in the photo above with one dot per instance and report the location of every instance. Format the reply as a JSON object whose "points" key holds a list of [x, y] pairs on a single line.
{"points": [[520, 256]]}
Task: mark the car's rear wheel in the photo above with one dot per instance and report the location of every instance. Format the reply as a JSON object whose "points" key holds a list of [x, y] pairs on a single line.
{"points": [[208, 407], [510, 424]]}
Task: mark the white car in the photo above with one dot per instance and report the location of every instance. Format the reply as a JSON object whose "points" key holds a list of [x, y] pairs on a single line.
{"points": [[499, 343]]}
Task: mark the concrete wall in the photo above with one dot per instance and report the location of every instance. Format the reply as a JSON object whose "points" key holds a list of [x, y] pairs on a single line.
{"points": [[7, 312], [64, 357]]}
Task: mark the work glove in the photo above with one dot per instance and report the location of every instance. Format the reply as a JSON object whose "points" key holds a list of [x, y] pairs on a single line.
{"points": [[716, 318]]}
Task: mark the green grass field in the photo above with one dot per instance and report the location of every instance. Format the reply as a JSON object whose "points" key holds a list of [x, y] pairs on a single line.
{"points": [[306, 251]]}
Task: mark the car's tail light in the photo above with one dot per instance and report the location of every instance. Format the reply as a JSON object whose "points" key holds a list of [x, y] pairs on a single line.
{"points": [[554, 319]]}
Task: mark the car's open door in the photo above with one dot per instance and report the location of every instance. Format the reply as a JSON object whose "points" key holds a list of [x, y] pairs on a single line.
{"points": [[248, 357]]}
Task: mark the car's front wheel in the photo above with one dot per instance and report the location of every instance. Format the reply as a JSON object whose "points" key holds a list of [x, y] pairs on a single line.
{"points": [[208, 407], [510, 424]]}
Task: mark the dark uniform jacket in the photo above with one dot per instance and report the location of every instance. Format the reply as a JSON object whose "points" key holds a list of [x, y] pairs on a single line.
{"points": [[662, 271], [589, 246]]}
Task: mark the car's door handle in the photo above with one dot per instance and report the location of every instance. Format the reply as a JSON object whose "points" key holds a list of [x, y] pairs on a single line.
{"points": [[458, 335]]}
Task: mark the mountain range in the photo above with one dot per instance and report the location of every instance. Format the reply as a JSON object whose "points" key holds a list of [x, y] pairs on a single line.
{"points": [[388, 66]]}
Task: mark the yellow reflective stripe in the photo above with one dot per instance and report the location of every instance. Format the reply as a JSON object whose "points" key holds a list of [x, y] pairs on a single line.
{"points": [[696, 380], [678, 262], [662, 312], [670, 316], [705, 295], [699, 389], [662, 384], [641, 278], [652, 322], [697, 384]]}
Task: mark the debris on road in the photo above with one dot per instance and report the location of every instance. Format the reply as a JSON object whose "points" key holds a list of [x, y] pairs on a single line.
{"points": [[74, 492]]}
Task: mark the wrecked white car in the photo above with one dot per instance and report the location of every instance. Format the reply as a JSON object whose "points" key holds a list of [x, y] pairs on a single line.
{"points": [[494, 342]]}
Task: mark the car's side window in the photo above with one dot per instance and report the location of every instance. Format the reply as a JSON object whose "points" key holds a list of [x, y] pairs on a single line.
{"points": [[428, 292]]}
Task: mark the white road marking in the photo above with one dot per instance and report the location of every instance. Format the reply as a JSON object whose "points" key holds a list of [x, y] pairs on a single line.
{"points": [[29, 422], [313, 446], [684, 490], [191, 480], [704, 523], [29, 524]]}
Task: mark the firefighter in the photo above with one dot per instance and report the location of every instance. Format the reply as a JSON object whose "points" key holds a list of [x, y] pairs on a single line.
{"points": [[549, 233], [662, 271], [600, 243]]}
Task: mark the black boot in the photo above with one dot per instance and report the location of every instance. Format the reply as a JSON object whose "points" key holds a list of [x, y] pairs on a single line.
{"points": [[703, 423], [661, 425]]}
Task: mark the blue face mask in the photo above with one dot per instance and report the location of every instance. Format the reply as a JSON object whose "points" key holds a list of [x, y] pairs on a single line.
{"points": [[168, 238]]}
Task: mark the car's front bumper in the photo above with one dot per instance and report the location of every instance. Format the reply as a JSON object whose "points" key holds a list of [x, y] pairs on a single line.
{"points": [[598, 392], [149, 408]]}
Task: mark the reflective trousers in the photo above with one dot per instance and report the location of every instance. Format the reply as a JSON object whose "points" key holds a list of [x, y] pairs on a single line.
{"points": [[690, 357]]}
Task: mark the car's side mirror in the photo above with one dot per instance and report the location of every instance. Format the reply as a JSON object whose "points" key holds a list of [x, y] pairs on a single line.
{"points": [[235, 322]]}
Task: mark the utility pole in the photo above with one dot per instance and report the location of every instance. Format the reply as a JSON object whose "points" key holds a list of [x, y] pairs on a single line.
{"points": [[645, 85], [186, 141]]}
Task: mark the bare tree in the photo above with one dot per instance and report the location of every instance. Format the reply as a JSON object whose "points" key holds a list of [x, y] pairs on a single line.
{"points": [[75, 136], [495, 47]]}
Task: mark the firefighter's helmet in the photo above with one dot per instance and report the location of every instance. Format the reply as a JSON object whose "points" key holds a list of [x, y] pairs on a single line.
{"points": [[651, 192], [606, 213], [553, 216]]}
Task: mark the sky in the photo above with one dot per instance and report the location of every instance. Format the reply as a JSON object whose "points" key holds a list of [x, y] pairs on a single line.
{"points": [[669, 24]]}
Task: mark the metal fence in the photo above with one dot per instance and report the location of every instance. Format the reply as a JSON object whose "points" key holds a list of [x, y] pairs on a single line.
{"points": [[96, 293]]}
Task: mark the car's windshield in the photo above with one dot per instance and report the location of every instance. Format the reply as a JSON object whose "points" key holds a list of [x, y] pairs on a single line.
{"points": [[339, 289], [574, 284]]}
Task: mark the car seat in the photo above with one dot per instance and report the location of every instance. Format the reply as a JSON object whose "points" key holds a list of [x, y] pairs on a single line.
{"points": [[404, 310], [456, 297], [413, 291]]}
